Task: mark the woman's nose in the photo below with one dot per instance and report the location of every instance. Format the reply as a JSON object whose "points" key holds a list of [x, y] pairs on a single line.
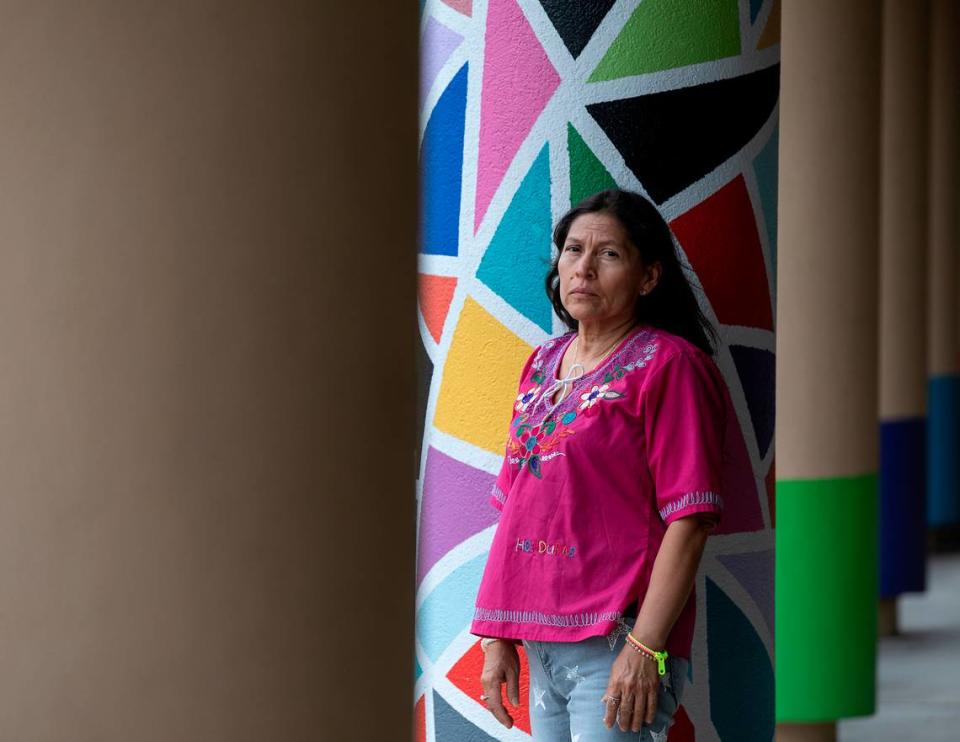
{"points": [[585, 266]]}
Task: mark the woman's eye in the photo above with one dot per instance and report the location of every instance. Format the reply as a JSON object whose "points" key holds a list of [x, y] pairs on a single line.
{"points": [[572, 248], [611, 253]]}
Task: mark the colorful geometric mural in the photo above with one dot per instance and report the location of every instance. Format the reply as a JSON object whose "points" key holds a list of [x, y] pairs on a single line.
{"points": [[526, 107]]}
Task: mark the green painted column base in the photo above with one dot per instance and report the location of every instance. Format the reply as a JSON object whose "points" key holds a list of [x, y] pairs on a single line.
{"points": [[826, 598]]}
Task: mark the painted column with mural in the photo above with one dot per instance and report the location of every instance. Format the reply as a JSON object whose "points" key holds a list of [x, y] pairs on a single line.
{"points": [[827, 570], [903, 311], [527, 107], [943, 502]]}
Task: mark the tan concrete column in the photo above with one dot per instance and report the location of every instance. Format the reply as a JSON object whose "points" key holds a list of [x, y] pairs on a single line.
{"points": [[903, 315], [827, 364], [207, 238]]}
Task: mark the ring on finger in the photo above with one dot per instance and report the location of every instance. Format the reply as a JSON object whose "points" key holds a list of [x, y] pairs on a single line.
{"points": [[610, 699]]}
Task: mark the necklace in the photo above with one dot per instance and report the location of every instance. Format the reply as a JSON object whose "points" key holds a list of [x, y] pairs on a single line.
{"points": [[570, 377]]}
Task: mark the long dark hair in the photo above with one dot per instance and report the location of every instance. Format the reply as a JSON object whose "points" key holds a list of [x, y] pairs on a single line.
{"points": [[671, 305]]}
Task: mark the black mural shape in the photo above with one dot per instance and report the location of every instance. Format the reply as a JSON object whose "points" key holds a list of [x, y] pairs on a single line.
{"points": [[424, 377], [672, 139], [576, 22], [756, 370]]}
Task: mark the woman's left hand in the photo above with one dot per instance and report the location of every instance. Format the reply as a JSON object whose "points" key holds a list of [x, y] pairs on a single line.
{"points": [[634, 680]]}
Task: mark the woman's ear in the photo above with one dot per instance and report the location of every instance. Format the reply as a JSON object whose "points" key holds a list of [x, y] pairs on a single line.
{"points": [[651, 277]]}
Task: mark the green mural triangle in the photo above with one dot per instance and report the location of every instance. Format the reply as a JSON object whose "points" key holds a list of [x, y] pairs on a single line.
{"points": [[518, 257], [664, 34], [587, 173]]}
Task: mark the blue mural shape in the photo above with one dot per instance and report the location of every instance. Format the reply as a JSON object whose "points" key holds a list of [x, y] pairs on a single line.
{"points": [[448, 724], [441, 170], [741, 701], [767, 167], [903, 506], [755, 6], [518, 257], [449, 608]]}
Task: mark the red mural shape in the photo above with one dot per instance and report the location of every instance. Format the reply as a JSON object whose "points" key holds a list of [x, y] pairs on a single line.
{"points": [[719, 236], [420, 721], [465, 674], [435, 293], [772, 493], [682, 729]]}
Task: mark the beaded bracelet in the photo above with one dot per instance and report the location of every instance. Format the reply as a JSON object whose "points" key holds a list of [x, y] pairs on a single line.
{"points": [[659, 657]]}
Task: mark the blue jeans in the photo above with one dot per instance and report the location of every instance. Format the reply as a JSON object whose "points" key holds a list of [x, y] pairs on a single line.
{"points": [[568, 680]]}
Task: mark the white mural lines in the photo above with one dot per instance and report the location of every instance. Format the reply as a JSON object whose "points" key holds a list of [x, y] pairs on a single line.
{"points": [[742, 542], [606, 33], [457, 448], [477, 714], [746, 36], [438, 265], [601, 146], [550, 40], [760, 26], [751, 337], [753, 192], [449, 70], [474, 45], [471, 548], [448, 16], [677, 78], [744, 601], [527, 330]]}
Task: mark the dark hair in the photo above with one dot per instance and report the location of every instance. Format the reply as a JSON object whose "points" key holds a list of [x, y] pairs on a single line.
{"points": [[671, 305]]}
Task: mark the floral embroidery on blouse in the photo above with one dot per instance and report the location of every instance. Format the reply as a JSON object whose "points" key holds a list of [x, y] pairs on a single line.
{"points": [[539, 427], [596, 394], [526, 398]]}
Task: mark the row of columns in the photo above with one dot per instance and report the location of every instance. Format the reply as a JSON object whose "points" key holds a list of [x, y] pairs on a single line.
{"points": [[867, 329]]}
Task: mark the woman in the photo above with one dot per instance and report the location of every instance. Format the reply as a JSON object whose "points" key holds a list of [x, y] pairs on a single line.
{"points": [[609, 487]]}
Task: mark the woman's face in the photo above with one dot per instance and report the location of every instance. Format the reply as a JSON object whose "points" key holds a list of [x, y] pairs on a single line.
{"points": [[601, 273]]}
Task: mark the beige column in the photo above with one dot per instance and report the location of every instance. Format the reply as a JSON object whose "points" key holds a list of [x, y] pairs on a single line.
{"points": [[827, 362], [207, 238], [903, 312]]}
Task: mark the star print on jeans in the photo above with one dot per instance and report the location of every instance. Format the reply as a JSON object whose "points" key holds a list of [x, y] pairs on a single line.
{"points": [[621, 629], [573, 673], [538, 698], [660, 736]]}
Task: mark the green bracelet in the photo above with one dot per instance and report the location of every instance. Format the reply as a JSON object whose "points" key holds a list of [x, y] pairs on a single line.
{"points": [[660, 657]]}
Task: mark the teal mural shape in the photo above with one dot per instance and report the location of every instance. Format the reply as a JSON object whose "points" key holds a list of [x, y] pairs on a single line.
{"points": [[766, 166], [741, 701], [518, 257], [449, 607]]}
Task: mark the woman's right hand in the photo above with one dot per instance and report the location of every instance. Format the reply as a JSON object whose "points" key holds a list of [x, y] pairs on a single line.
{"points": [[501, 664]]}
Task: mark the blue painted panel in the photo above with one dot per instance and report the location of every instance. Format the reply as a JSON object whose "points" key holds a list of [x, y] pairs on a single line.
{"points": [[943, 462], [449, 608], [441, 170], [903, 506]]}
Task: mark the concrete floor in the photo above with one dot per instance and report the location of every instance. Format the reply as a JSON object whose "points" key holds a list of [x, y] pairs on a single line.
{"points": [[918, 672]]}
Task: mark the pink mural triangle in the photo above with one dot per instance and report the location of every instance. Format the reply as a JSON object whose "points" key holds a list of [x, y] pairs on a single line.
{"points": [[461, 6], [518, 80]]}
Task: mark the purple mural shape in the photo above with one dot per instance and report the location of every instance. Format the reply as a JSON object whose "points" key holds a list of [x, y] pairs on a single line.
{"points": [[754, 571], [454, 506], [741, 496], [438, 43]]}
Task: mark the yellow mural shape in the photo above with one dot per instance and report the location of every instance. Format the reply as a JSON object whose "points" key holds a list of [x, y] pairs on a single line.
{"points": [[771, 34], [480, 379]]}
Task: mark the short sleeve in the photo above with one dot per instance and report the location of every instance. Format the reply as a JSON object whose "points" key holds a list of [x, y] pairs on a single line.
{"points": [[685, 418], [500, 489]]}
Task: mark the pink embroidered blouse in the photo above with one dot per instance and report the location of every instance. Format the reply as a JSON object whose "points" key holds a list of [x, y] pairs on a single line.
{"points": [[588, 488]]}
